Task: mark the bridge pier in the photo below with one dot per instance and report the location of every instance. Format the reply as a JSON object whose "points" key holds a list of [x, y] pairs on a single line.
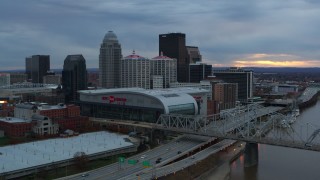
{"points": [[251, 155]]}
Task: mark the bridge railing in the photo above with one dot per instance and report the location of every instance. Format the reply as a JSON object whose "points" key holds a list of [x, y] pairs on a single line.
{"points": [[244, 124]]}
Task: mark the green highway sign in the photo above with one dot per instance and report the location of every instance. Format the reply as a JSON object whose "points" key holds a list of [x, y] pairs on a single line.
{"points": [[146, 163], [132, 161], [121, 159]]}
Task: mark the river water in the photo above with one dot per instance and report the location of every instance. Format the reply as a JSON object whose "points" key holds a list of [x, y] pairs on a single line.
{"points": [[280, 163]]}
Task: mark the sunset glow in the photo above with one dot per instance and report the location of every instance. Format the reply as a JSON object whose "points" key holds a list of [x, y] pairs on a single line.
{"points": [[269, 63], [274, 60]]}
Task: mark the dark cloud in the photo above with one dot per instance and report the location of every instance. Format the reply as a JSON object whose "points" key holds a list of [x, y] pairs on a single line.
{"points": [[224, 30]]}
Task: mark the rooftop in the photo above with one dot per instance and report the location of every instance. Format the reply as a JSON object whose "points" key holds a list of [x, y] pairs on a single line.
{"points": [[15, 157], [14, 120], [110, 36], [147, 91], [134, 56], [162, 57], [40, 106]]}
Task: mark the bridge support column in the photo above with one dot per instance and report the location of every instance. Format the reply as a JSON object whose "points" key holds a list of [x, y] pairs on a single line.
{"points": [[251, 155]]}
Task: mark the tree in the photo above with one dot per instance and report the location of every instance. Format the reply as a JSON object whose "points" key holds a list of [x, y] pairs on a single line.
{"points": [[80, 160]]}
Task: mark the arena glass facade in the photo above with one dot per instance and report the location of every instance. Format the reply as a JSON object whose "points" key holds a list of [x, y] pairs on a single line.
{"points": [[137, 104]]}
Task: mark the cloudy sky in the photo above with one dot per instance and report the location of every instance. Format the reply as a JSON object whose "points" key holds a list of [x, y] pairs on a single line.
{"points": [[228, 32]]}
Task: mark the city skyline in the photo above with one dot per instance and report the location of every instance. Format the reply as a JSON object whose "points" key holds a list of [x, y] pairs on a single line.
{"points": [[246, 33]]}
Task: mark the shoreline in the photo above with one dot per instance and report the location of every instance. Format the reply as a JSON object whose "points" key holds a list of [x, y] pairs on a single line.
{"points": [[222, 171]]}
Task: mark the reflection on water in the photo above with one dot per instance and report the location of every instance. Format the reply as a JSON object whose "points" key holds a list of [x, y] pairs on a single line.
{"points": [[280, 162], [250, 172]]}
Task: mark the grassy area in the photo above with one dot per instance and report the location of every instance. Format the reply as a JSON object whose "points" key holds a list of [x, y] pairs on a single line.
{"points": [[4, 141]]}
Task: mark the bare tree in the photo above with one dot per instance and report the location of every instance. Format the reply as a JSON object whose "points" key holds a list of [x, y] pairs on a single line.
{"points": [[80, 160]]}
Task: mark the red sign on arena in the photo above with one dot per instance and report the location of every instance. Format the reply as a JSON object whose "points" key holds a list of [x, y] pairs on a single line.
{"points": [[113, 99]]}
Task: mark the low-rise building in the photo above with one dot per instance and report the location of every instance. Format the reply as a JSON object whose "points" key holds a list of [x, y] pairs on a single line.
{"points": [[43, 119], [15, 127], [44, 125]]}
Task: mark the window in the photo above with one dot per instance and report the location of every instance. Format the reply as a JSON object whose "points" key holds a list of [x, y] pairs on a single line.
{"points": [[182, 109]]}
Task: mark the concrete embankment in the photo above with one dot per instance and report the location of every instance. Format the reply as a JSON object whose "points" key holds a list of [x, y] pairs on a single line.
{"points": [[222, 171]]}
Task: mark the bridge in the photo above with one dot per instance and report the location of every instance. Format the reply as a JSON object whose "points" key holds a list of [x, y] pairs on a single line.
{"points": [[253, 123]]}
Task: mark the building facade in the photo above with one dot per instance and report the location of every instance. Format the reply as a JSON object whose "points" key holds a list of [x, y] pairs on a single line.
{"points": [[4, 79], [244, 79], [156, 82], [74, 77], [110, 61], [173, 45], [135, 71], [44, 126], [18, 78], [199, 71], [226, 95], [285, 88], [15, 127], [52, 79], [37, 67], [193, 54], [165, 67]]}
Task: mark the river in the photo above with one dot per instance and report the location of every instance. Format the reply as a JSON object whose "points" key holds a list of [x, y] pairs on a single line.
{"points": [[283, 163]]}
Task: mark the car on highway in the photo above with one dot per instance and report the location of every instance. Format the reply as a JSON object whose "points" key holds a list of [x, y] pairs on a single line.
{"points": [[158, 160], [85, 175], [308, 145], [139, 173], [179, 152], [143, 156]]}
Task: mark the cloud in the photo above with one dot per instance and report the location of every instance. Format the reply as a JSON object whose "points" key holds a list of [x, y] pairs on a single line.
{"points": [[227, 32]]}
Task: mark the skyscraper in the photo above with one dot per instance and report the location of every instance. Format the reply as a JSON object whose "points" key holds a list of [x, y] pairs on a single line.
{"points": [[135, 71], [74, 76], [199, 71], [165, 67], [37, 67], [193, 54], [244, 79], [173, 45], [109, 61]]}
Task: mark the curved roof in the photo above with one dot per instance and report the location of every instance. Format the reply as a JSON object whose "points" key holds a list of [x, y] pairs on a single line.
{"points": [[110, 36], [161, 57], [134, 56], [165, 97]]}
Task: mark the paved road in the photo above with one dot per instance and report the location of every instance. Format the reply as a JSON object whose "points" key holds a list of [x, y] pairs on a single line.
{"points": [[167, 152], [174, 167]]}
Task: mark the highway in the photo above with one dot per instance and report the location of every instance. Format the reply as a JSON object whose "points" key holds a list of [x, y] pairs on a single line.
{"points": [[157, 171], [167, 152]]}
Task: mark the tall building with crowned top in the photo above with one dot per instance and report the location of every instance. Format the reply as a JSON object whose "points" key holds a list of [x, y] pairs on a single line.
{"points": [[110, 61], [165, 67], [135, 71]]}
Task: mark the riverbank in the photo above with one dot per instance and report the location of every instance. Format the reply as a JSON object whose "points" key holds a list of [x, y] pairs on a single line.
{"points": [[222, 171], [309, 102]]}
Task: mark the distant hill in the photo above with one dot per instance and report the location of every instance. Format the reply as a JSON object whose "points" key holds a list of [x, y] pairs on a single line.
{"points": [[255, 69], [280, 69]]}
